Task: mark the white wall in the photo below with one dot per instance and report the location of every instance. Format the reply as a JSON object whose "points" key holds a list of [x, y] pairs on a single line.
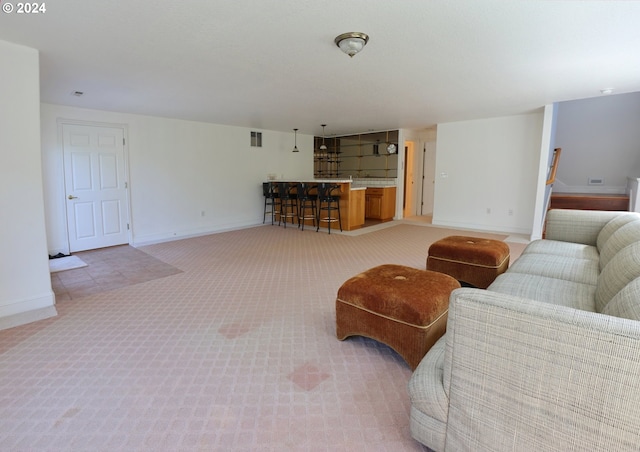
{"points": [[543, 194], [600, 138], [177, 169], [25, 283], [633, 184], [429, 163], [487, 173]]}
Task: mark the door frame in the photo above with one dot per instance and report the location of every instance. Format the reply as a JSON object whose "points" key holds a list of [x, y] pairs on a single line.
{"points": [[409, 198], [61, 122]]}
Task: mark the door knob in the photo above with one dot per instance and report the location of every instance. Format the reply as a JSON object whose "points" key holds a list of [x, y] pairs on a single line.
{"points": [[72, 197]]}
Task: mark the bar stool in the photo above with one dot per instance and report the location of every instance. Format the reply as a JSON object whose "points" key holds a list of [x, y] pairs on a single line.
{"points": [[270, 200], [288, 202], [328, 202], [307, 207]]}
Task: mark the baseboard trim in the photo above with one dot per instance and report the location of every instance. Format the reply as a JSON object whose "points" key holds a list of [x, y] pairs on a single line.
{"points": [[481, 227], [27, 311], [162, 238]]}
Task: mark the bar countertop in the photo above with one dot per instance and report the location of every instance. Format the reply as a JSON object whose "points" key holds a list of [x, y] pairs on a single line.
{"points": [[318, 181]]}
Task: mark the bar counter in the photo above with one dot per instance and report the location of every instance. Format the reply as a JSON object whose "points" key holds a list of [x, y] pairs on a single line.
{"points": [[352, 201]]}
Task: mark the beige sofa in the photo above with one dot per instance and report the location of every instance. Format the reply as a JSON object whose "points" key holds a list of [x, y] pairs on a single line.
{"points": [[548, 357]]}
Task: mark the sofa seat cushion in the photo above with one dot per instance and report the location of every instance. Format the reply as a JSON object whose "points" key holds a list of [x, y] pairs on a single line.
{"points": [[623, 237], [426, 388], [613, 225], [626, 303], [623, 268], [429, 403], [548, 290], [554, 266], [566, 249]]}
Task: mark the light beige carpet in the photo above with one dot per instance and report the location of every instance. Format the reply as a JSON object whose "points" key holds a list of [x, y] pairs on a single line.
{"points": [[236, 352]]}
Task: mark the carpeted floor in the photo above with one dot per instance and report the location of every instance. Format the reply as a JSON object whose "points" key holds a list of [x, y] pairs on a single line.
{"points": [[236, 352]]}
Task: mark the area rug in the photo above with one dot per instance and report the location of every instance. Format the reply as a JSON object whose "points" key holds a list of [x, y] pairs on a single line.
{"points": [[65, 263]]}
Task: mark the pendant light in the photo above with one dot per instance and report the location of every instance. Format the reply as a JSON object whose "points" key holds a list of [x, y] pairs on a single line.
{"points": [[295, 143], [391, 148], [323, 147]]}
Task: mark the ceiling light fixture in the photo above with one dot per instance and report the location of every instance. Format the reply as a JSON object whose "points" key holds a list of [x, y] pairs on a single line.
{"points": [[352, 42], [323, 147], [295, 143], [606, 91], [391, 148]]}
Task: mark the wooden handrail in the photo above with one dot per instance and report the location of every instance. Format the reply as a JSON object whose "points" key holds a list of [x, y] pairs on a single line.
{"points": [[554, 166]]}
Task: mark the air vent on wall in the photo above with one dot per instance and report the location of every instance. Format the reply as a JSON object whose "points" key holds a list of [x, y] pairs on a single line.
{"points": [[256, 139], [596, 181]]}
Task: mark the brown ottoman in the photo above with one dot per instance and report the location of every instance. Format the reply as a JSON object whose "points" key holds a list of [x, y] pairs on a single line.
{"points": [[402, 307], [472, 260]]}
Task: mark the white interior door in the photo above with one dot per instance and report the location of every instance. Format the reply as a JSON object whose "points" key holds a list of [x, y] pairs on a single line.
{"points": [[409, 207], [428, 177], [96, 189]]}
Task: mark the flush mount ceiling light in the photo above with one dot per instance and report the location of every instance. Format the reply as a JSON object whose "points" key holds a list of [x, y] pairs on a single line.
{"points": [[352, 42], [606, 91], [295, 143], [323, 147]]}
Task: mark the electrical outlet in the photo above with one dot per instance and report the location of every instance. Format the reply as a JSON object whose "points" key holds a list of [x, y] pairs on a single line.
{"points": [[510, 212], [202, 213], [488, 210]]}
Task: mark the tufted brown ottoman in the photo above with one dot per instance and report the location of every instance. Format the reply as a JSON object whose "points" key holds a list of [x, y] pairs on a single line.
{"points": [[472, 260], [402, 307]]}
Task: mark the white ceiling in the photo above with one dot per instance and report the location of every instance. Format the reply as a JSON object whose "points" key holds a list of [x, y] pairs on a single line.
{"points": [[272, 64]]}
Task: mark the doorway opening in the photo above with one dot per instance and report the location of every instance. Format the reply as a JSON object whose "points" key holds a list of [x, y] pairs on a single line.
{"points": [[419, 179]]}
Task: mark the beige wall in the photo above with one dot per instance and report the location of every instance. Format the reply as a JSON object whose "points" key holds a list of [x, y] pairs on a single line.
{"points": [[25, 283], [178, 169], [487, 173]]}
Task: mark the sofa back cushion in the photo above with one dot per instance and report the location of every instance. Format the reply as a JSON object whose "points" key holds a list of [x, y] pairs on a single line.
{"points": [[626, 303], [613, 225], [624, 236], [623, 268]]}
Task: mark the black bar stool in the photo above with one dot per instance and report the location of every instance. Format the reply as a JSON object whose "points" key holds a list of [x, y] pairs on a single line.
{"points": [[328, 202], [270, 200], [307, 207], [288, 202]]}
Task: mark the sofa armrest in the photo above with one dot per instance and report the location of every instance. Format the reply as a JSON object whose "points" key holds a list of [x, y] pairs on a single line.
{"points": [[527, 375], [577, 226]]}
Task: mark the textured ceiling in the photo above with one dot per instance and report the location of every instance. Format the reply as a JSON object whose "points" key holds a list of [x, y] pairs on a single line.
{"points": [[272, 64]]}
